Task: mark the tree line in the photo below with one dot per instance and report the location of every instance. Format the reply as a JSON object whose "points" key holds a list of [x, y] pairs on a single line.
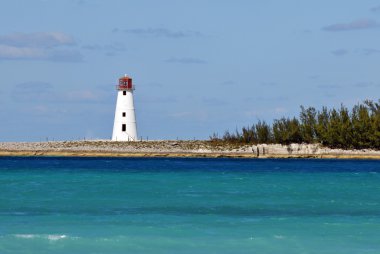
{"points": [[357, 128]]}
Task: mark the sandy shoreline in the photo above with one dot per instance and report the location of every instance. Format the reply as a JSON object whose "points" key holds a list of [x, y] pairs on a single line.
{"points": [[179, 155], [185, 149]]}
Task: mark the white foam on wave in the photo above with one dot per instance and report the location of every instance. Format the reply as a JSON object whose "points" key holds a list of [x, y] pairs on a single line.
{"points": [[25, 236], [48, 237], [56, 237]]}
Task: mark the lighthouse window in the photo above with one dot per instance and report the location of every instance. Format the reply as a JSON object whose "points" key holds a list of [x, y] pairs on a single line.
{"points": [[123, 127], [124, 92], [123, 114]]}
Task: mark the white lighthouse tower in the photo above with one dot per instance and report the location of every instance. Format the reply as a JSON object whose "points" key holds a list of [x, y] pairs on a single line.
{"points": [[124, 127]]}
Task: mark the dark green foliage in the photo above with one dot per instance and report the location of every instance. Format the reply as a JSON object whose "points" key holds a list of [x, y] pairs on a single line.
{"points": [[322, 126], [346, 130], [361, 123], [287, 131], [308, 124], [342, 128], [249, 135], [375, 122], [263, 131], [334, 130]]}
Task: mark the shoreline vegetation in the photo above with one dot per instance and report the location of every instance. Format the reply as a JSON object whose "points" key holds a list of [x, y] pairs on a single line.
{"points": [[176, 148], [327, 133], [358, 128]]}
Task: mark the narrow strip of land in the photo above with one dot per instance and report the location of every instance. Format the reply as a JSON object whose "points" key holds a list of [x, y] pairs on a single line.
{"points": [[184, 149]]}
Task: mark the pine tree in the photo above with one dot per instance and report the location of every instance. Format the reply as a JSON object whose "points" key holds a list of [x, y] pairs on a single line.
{"points": [[375, 123], [286, 131], [362, 128], [249, 135], [346, 130], [334, 130], [321, 128], [263, 131], [342, 128], [308, 124]]}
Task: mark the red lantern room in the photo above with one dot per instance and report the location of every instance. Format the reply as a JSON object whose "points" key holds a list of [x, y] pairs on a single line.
{"points": [[125, 83]]}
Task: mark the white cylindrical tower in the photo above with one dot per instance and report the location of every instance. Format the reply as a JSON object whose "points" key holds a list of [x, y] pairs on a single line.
{"points": [[124, 127]]}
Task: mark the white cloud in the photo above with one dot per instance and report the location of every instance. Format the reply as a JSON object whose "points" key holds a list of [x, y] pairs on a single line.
{"points": [[37, 40], [339, 52], [160, 32], [280, 110], [30, 53], [12, 52], [38, 92], [83, 95], [354, 25], [370, 51], [375, 8], [38, 46], [185, 60], [199, 115]]}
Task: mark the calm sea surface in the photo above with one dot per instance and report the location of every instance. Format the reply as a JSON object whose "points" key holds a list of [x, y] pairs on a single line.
{"points": [[88, 205]]}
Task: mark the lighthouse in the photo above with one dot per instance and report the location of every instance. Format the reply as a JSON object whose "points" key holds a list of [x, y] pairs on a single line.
{"points": [[124, 127]]}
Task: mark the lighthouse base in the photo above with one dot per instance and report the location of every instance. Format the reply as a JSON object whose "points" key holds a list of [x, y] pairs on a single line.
{"points": [[124, 128], [123, 136]]}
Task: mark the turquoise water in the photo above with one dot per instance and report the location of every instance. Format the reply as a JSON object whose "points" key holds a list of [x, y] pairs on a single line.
{"points": [[87, 205]]}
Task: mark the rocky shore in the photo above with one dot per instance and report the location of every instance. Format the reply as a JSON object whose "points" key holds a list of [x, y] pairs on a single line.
{"points": [[101, 148]]}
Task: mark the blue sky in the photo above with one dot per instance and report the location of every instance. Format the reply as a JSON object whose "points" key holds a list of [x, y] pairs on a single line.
{"points": [[199, 66]]}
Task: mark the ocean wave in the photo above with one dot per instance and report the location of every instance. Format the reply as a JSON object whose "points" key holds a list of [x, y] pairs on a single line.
{"points": [[56, 237], [26, 236], [50, 237]]}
